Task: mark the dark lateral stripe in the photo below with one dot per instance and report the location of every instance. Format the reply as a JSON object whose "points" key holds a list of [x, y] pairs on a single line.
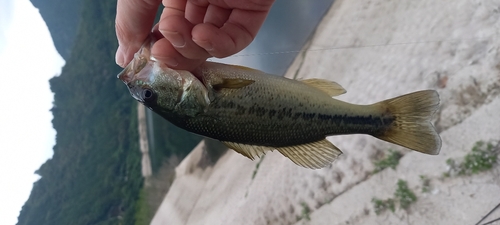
{"points": [[287, 112], [357, 120]]}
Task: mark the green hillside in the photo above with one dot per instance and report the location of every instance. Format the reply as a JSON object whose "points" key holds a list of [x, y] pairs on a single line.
{"points": [[94, 176], [62, 18]]}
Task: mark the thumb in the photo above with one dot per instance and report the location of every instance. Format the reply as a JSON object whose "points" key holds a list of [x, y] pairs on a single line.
{"points": [[134, 20]]}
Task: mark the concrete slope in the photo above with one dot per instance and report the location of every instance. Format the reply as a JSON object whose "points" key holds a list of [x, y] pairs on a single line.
{"points": [[376, 50]]}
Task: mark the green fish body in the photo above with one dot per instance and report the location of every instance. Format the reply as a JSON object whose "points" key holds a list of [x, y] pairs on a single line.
{"points": [[253, 112]]}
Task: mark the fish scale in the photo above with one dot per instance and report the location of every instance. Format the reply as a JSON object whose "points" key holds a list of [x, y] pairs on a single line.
{"points": [[318, 113], [253, 112]]}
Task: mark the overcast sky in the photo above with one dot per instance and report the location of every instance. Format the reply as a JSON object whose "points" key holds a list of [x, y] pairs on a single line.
{"points": [[28, 60]]}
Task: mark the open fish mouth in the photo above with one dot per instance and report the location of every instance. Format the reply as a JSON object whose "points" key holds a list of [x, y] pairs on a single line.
{"points": [[139, 72], [140, 66]]}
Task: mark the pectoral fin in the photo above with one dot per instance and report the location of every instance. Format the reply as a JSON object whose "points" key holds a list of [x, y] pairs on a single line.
{"points": [[250, 151], [232, 83], [329, 87], [314, 155]]}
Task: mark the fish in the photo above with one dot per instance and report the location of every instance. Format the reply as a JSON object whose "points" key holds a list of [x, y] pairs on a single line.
{"points": [[253, 112]]}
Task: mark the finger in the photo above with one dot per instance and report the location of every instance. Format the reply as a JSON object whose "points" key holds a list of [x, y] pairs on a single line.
{"points": [[195, 10], [174, 7], [164, 51], [239, 24], [177, 30], [237, 33], [252, 5], [133, 23], [216, 15]]}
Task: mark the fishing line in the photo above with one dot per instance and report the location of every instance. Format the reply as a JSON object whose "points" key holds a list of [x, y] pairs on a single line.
{"points": [[489, 213], [491, 222], [364, 46], [497, 148]]}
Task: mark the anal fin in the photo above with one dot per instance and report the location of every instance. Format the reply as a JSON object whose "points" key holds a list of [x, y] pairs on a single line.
{"points": [[250, 151], [314, 155]]}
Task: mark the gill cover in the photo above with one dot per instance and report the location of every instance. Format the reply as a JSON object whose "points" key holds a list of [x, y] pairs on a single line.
{"points": [[162, 89]]}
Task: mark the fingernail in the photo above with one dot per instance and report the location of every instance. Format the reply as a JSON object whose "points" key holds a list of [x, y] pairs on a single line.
{"points": [[204, 44], [119, 57], [175, 38], [171, 62]]}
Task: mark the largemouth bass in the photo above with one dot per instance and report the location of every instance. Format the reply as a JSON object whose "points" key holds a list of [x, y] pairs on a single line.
{"points": [[253, 112]]}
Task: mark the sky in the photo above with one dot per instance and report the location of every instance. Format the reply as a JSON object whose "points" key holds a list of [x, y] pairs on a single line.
{"points": [[28, 59]]}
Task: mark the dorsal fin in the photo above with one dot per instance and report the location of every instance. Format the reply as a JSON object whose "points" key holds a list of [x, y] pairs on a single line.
{"points": [[314, 155], [329, 87]]}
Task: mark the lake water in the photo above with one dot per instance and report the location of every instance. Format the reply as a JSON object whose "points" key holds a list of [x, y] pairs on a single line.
{"points": [[285, 31]]}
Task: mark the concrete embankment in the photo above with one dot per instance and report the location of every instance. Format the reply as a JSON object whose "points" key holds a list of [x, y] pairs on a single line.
{"points": [[376, 50]]}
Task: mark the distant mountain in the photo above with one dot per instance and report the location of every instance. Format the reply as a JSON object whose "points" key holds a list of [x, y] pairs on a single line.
{"points": [[62, 18], [94, 176]]}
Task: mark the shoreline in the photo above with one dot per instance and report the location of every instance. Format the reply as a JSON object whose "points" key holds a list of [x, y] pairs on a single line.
{"points": [[146, 169]]}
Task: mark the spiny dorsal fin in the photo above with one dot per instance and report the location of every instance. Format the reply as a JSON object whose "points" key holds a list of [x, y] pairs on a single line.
{"points": [[233, 83], [250, 151], [329, 87], [314, 155]]}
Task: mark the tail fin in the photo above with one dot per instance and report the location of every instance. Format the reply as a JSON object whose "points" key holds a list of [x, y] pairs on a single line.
{"points": [[412, 127]]}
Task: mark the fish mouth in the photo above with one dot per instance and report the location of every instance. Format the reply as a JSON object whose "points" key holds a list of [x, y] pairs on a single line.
{"points": [[140, 62], [137, 75]]}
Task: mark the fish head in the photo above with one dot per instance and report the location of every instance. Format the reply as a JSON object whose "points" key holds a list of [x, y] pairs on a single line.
{"points": [[162, 89]]}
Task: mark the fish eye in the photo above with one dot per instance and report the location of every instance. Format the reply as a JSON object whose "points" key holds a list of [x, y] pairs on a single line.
{"points": [[148, 95]]}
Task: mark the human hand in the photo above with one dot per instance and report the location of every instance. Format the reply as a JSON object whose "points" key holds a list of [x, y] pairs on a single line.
{"points": [[190, 31]]}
